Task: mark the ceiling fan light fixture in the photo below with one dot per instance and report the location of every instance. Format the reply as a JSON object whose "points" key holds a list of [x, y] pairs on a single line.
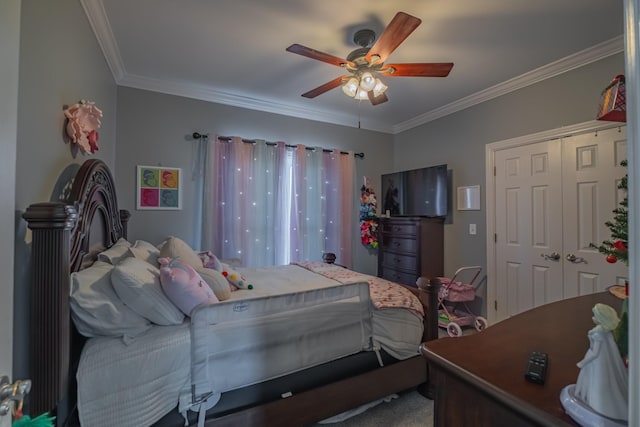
{"points": [[350, 88], [362, 95], [379, 88], [366, 63], [367, 81]]}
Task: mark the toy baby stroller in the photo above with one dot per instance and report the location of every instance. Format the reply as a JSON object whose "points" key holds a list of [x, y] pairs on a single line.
{"points": [[453, 311]]}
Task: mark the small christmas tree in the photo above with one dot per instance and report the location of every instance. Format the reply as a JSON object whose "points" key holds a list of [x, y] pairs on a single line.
{"points": [[616, 248]]}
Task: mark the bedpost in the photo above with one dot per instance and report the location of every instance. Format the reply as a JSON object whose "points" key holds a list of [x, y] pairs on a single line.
{"points": [[67, 236], [428, 294], [50, 341]]}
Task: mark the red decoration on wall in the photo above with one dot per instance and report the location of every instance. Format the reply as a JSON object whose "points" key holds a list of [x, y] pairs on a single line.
{"points": [[613, 105]]}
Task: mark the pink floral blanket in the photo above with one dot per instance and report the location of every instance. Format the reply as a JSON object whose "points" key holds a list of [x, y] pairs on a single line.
{"points": [[384, 294]]}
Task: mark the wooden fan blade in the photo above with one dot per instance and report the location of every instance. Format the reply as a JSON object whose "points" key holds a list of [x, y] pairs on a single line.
{"points": [[324, 88], [316, 54], [396, 32], [435, 69], [375, 100]]}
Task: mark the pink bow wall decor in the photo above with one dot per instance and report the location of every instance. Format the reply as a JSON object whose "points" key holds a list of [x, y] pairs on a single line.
{"points": [[83, 122]]}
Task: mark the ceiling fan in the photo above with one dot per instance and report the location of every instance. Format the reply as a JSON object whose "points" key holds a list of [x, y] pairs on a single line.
{"points": [[366, 64]]}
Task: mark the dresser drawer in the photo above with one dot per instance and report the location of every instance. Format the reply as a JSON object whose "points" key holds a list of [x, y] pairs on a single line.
{"points": [[399, 277], [410, 247], [400, 245], [408, 229], [399, 262]]}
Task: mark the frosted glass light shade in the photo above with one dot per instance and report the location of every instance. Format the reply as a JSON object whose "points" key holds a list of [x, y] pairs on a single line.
{"points": [[367, 81], [362, 94], [350, 88], [379, 88]]}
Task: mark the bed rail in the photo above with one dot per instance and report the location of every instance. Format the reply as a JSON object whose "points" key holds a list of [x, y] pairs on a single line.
{"points": [[253, 317]]}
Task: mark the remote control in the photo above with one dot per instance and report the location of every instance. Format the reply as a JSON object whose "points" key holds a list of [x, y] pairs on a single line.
{"points": [[537, 367]]}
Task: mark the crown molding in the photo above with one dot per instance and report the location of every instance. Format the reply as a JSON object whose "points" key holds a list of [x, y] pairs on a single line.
{"points": [[546, 135], [99, 22], [571, 62], [205, 93]]}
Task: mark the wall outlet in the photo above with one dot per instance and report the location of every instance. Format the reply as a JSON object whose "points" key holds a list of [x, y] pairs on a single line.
{"points": [[472, 229]]}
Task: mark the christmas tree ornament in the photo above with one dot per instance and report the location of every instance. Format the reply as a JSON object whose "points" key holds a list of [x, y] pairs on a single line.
{"points": [[615, 249]]}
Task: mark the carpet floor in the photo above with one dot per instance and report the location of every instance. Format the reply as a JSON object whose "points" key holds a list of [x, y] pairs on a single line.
{"points": [[410, 409]]}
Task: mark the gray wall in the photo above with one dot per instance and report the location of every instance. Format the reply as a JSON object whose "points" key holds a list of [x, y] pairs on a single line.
{"points": [[155, 129], [459, 140], [60, 64]]}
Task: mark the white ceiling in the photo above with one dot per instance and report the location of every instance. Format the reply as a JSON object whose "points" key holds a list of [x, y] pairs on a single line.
{"points": [[233, 52]]}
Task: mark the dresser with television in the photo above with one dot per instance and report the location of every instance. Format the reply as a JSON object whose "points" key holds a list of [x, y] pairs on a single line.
{"points": [[410, 247]]}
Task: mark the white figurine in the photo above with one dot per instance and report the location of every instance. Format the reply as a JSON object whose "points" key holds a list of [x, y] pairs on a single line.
{"points": [[603, 380]]}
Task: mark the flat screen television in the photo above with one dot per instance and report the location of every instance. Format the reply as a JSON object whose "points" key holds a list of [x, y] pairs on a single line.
{"points": [[416, 192]]}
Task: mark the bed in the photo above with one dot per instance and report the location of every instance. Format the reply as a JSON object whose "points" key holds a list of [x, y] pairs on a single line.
{"points": [[67, 238]]}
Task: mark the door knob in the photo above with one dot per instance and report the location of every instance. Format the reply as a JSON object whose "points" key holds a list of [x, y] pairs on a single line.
{"points": [[575, 259], [553, 256], [12, 393]]}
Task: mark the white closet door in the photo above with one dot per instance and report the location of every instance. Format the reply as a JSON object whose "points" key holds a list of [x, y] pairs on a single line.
{"points": [[552, 199], [591, 174], [528, 227]]}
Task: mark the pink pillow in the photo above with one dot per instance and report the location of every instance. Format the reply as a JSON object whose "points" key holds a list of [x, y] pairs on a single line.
{"points": [[183, 285], [235, 279]]}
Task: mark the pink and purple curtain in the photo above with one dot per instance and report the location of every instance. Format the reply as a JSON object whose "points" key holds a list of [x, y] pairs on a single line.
{"points": [[272, 204]]}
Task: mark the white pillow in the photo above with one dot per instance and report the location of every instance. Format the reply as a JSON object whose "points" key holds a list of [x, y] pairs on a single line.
{"points": [[137, 283], [96, 309], [175, 247], [145, 251], [116, 253]]}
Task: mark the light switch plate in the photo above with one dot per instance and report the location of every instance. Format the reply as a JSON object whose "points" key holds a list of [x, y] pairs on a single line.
{"points": [[472, 229]]}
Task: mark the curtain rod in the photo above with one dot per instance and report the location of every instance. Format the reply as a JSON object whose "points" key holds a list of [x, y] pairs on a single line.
{"points": [[197, 135]]}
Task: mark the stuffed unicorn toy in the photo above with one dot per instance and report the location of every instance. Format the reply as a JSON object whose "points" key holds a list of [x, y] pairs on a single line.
{"points": [[183, 285]]}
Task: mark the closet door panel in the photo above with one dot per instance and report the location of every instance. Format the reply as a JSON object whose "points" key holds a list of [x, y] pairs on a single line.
{"points": [[591, 172], [528, 227]]}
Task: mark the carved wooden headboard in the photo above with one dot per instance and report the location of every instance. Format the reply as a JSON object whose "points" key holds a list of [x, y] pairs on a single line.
{"points": [[66, 237]]}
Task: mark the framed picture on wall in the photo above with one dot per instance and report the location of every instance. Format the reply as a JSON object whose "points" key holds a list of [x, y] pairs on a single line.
{"points": [[158, 187]]}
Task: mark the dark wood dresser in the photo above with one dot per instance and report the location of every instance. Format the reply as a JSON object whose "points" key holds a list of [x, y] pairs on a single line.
{"points": [[479, 378], [410, 247]]}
